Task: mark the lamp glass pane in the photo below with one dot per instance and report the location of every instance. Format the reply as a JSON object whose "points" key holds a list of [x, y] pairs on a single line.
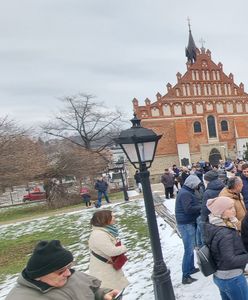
{"points": [[131, 152], [146, 151]]}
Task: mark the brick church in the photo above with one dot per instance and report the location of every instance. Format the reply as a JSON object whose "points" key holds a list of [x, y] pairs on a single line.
{"points": [[204, 116]]}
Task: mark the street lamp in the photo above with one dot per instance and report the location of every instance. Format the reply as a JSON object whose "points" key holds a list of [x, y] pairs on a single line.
{"points": [[139, 144]]}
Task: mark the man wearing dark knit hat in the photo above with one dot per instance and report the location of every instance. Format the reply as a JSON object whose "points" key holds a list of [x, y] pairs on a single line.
{"points": [[48, 275], [214, 186]]}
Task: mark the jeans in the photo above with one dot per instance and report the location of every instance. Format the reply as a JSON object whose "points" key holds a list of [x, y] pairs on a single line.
{"points": [[188, 233], [232, 289], [99, 197], [199, 233]]}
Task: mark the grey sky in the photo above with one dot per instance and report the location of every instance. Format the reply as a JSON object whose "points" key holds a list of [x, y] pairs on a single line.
{"points": [[116, 50]]}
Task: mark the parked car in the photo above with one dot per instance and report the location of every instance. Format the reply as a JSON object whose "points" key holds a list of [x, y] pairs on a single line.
{"points": [[33, 196]]}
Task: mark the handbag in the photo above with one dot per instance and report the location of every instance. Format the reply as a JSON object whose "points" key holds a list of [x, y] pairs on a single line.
{"points": [[119, 260], [205, 261]]}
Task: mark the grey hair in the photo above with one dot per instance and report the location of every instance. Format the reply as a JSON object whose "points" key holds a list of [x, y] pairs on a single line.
{"points": [[233, 181]]}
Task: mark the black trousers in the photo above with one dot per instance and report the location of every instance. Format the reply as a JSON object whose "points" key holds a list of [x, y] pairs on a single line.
{"points": [[169, 192]]}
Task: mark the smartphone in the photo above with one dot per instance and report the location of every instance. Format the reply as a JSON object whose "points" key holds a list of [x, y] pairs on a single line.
{"points": [[119, 295]]}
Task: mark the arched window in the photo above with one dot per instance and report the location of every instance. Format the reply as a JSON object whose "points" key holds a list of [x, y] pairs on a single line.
{"points": [[224, 125], [197, 127], [211, 127]]}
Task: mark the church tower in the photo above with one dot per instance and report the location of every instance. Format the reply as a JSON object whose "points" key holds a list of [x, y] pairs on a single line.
{"points": [[204, 116]]}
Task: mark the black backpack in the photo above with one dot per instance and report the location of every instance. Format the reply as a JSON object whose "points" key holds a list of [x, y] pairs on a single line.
{"points": [[205, 261]]}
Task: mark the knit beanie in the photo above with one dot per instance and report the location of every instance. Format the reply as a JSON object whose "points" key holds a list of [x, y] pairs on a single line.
{"points": [[48, 256], [211, 175], [219, 204], [229, 165]]}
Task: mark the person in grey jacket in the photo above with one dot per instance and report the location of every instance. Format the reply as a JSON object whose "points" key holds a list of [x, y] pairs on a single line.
{"points": [[49, 276]]}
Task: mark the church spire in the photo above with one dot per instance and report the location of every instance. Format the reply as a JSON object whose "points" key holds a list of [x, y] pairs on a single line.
{"points": [[190, 50]]}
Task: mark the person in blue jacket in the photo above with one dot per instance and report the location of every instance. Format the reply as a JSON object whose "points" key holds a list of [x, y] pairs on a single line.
{"points": [[187, 210], [101, 186]]}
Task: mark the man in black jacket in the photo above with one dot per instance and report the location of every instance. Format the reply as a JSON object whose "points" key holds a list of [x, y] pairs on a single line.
{"points": [[214, 187]]}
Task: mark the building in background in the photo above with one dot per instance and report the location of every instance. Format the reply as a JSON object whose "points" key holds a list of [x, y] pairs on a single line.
{"points": [[204, 116]]}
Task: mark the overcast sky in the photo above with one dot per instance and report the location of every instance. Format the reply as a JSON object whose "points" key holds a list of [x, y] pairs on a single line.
{"points": [[116, 50]]}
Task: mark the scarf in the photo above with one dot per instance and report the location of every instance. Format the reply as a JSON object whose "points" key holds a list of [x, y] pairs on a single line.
{"points": [[218, 221], [112, 229]]}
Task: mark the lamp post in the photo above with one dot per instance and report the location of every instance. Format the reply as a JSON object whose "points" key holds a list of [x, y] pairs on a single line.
{"points": [[119, 166], [139, 144]]}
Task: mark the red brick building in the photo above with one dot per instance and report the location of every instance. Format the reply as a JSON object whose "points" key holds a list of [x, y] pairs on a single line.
{"points": [[203, 116]]}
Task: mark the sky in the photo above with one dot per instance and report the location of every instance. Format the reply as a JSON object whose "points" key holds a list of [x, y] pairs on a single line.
{"points": [[114, 50]]}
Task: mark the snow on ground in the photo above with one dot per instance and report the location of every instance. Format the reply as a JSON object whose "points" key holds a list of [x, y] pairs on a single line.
{"points": [[133, 231]]}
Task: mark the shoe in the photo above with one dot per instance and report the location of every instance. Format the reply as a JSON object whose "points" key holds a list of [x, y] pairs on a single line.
{"points": [[195, 270], [188, 280]]}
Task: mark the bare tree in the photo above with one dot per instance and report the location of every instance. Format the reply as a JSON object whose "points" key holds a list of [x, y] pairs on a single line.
{"points": [[9, 131], [86, 123], [21, 157]]}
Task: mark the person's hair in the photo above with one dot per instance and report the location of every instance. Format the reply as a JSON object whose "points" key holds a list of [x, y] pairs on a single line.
{"points": [[233, 181], [166, 170], [101, 218], [244, 166]]}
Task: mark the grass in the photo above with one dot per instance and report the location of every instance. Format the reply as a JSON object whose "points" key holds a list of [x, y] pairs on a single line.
{"points": [[14, 252], [32, 210], [18, 241]]}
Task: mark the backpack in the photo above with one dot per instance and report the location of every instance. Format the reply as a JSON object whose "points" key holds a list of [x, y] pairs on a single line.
{"points": [[205, 261]]}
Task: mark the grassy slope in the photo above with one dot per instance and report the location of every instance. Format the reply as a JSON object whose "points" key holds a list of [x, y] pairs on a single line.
{"points": [[14, 252]]}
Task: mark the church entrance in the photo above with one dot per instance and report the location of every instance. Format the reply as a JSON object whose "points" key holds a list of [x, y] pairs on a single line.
{"points": [[214, 157]]}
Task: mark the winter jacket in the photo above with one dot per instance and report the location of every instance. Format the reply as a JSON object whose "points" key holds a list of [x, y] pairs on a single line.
{"points": [[226, 247], [79, 286], [187, 207], [167, 179], [244, 191], [213, 189], [244, 231], [183, 177], [101, 186], [238, 204], [103, 244]]}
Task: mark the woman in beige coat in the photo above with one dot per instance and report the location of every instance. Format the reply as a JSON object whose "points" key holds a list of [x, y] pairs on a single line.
{"points": [[102, 244]]}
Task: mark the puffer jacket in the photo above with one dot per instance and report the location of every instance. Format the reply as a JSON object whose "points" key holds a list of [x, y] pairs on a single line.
{"points": [[213, 189], [101, 186], [79, 286], [187, 206], [226, 247]]}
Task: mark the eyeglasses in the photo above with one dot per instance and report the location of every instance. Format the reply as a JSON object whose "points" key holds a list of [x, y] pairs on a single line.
{"points": [[62, 270]]}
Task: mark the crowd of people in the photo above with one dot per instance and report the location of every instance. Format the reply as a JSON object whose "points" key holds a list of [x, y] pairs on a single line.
{"points": [[211, 208]]}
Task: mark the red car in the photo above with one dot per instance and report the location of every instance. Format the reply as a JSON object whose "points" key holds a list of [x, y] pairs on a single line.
{"points": [[32, 196]]}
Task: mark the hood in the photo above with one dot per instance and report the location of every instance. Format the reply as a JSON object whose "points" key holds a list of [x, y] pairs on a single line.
{"points": [[216, 184], [192, 181]]}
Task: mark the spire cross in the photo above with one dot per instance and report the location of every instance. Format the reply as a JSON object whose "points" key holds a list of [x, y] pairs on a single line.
{"points": [[188, 19], [202, 42]]}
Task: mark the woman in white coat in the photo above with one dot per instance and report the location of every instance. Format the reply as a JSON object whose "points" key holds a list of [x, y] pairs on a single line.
{"points": [[102, 244]]}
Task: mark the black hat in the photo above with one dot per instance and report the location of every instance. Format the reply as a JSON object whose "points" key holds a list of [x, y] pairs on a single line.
{"points": [[48, 256], [211, 175]]}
